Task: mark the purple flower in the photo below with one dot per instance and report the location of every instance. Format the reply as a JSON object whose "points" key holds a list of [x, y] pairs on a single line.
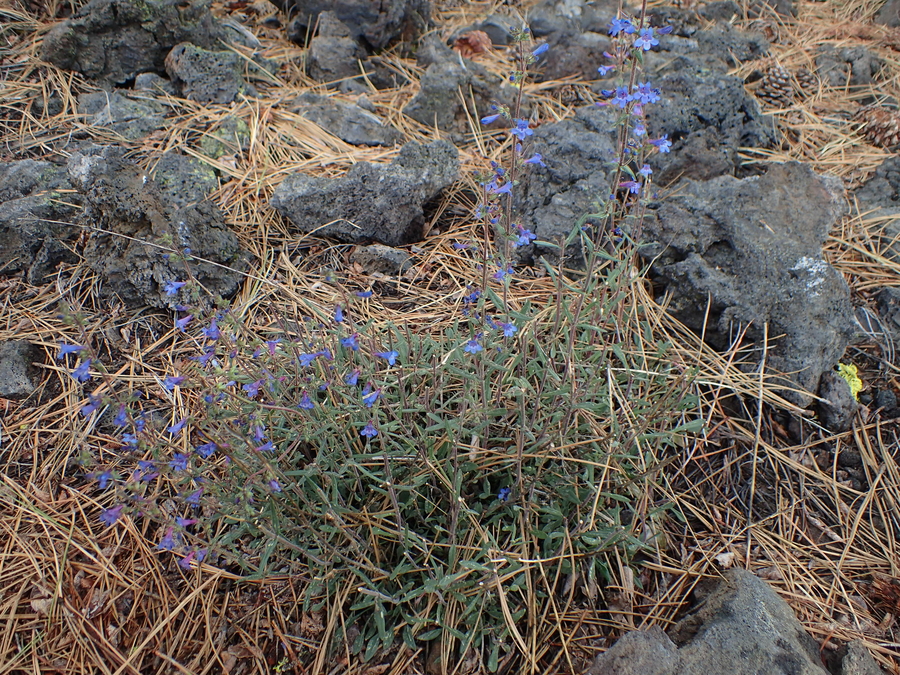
{"points": [[622, 97], [272, 346], [185, 522], [173, 381], [121, 419], [110, 516], [646, 40], [170, 541], [640, 129], [274, 485], [268, 446], [338, 314], [208, 353], [535, 159], [104, 478], [194, 497], [633, 186], [621, 26], [490, 119], [370, 398], [179, 462], [307, 359], [645, 171], [213, 332], [252, 388], [501, 273], [92, 405], [505, 189], [521, 130], [146, 470], [259, 432], [509, 329], [183, 322], [306, 403], [605, 70], [352, 377], [503, 495], [390, 356], [363, 294], [352, 342], [540, 50], [646, 94], [130, 439], [525, 236], [663, 144], [206, 449], [176, 428], [65, 350], [172, 287], [81, 373], [473, 346], [369, 431], [664, 30]]}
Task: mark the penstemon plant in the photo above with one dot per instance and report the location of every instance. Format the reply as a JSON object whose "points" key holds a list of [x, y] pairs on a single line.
{"points": [[454, 482]]}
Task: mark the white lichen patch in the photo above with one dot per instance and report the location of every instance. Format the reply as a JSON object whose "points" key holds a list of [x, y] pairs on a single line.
{"points": [[815, 270]]}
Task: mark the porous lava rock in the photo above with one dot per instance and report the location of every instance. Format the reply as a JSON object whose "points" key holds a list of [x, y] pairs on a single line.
{"points": [[740, 627], [879, 199], [746, 254], [371, 202], [348, 121], [37, 208], [889, 14], [183, 180], [841, 67], [376, 24], [334, 54], [130, 115], [115, 40], [205, 76], [19, 377], [135, 229]]}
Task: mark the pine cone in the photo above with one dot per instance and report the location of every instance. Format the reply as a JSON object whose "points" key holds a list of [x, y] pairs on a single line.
{"points": [[807, 83], [776, 87], [570, 94], [880, 126]]}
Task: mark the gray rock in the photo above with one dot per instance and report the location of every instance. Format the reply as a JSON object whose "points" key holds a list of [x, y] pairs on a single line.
{"points": [[855, 659], [498, 28], [134, 224], [231, 137], [377, 24], [889, 14], [837, 410], [19, 377], [347, 121], [115, 40], [155, 83], [381, 259], [205, 76], [571, 16], [438, 102], [888, 304], [741, 628], [380, 202], [37, 208], [880, 195], [847, 66], [130, 115], [333, 58], [184, 180], [738, 254], [573, 54], [885, 399]]}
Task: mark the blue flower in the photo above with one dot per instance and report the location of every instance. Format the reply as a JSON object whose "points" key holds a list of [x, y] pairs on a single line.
{"points": [[306, 403], [646, 40], [352, 342], [65, 349], [213, 332], [352, 377], [503, 495], [185, 522], [272, 345], [92, 405], [179, 462], [252, 388], [121, 419], [208, 353], [509, 329], [503, 272], [182, 323], [369, 431], [535, 159], [307, 359], [173, 381], [505, 189], [525, 236], [521, 130], [645, 171], [646, 94], [622, 97], [104, 478], [176, 428], [338, 314], [540, 50], [364, 294], [206, 449], [663, 144], [194, 497], [473, 347], [269, 446], [81, 372], [147, 470], [605, 70], [170, 541], [490, 119], [640, 129], [391, 356], [633, 186], [110, 516], [274, 485], [369, 398], [130, 439], [172, 287], [621, 26]]}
